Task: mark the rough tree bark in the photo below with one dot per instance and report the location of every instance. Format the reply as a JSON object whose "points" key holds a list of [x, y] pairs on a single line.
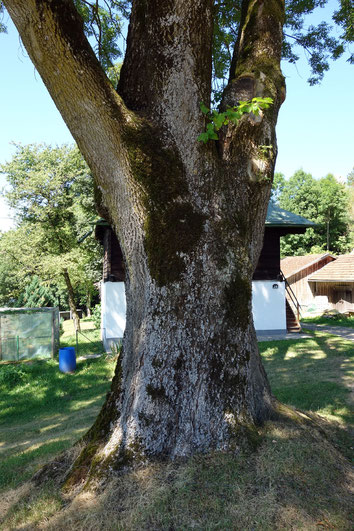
{"points": [[189, 216]]}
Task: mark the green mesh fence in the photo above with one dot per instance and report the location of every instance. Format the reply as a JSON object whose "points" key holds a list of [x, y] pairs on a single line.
{"points": [[28, 333]]}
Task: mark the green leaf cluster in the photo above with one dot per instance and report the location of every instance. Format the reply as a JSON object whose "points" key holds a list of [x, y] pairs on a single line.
{"points": [[231, 115], [103, 25]]}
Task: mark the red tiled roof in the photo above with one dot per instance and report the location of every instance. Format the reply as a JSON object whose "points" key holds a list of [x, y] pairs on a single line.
{"points": [[341, 270], [293, 264]]}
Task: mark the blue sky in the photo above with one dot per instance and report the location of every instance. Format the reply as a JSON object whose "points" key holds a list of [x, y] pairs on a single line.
{"points": [[315, 126]]}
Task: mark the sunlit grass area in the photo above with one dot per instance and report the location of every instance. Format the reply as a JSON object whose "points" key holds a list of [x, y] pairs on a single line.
{"points": [[296, 476], [89, 339], [43, 411], [314, 374], [331, 320]]}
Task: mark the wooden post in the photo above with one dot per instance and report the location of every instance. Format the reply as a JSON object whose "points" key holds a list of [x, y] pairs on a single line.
{"points": [[77, 342], [53, 333]]}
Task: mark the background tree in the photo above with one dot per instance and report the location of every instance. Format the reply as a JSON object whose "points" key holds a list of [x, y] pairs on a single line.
{"points": [[350, 185], [277, 187], [16, 270], [189, 216], [51, 192], [37, 294], [324, 201]]}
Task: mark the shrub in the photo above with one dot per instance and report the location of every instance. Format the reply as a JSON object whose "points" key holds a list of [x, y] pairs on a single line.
{"points": [[96, 316], [12, 375]]}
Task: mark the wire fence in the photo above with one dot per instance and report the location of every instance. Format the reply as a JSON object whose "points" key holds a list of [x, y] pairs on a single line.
{"points": [[28, 333]]}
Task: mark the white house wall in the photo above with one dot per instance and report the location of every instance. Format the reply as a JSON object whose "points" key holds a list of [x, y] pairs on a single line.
{"points": [[113, 312], [268, 305]]}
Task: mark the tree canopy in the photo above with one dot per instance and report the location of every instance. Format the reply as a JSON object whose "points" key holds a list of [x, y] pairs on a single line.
{"points": [[104, 24], [324, 201], [51, 192]]}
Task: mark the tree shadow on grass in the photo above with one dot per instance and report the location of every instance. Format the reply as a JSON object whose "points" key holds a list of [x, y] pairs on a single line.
{"points": [[43, 411], [41, 389], [315, 375], [21, 465], [295, 479]]}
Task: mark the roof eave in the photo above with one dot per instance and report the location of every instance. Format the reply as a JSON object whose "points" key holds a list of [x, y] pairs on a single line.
{"points": [[342, 280], [290, 225], [310, 264]]}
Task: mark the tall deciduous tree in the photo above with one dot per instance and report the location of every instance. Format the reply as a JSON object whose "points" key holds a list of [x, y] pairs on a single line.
{"points": [[51, 192], [324, 201], [189, 216]]}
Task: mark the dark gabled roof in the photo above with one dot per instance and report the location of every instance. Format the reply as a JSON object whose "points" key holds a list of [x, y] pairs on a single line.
{"points": [[278, 217], [291, 265], [341, 270]]}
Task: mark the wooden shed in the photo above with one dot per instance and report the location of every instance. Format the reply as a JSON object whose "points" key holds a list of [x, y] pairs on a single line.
{"points": [[112, 291], [113, 263], [335, 281], [298, 269]]}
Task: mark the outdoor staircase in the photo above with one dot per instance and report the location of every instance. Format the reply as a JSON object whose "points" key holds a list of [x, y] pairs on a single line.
{"points": [[292, 317], [292, 323]]}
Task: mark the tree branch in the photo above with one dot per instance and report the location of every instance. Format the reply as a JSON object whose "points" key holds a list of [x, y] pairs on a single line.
{"points": [[52, 33], [169, 55], [255, 72]]}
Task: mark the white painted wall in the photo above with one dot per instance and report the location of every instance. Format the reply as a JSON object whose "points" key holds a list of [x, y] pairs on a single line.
{"points": [[268, 305], [113, 312]]}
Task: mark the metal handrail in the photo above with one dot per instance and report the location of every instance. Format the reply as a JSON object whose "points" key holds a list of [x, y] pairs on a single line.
{"points": [[292, 296]]}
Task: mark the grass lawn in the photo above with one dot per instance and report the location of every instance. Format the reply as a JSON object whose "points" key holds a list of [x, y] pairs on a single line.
{"points": [[43, 411], [316, 375], [89, 338], [294, 477], [334, 320]]}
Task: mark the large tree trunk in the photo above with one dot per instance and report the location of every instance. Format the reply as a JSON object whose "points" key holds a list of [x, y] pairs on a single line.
{"points": [[189, 216]]}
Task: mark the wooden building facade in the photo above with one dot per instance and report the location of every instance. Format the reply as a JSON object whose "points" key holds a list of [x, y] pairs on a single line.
{"points": [[297, 271], [272, 309], [335, 282], [268, 286]]}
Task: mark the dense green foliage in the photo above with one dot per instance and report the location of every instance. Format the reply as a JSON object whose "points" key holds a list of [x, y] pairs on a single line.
{"points": [[38, 294], [319, 42], [324, 201], [105, 22], [51, 193]]}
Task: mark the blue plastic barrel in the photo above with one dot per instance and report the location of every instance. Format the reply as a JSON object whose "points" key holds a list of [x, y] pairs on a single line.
{"points": [[67, 359]]}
